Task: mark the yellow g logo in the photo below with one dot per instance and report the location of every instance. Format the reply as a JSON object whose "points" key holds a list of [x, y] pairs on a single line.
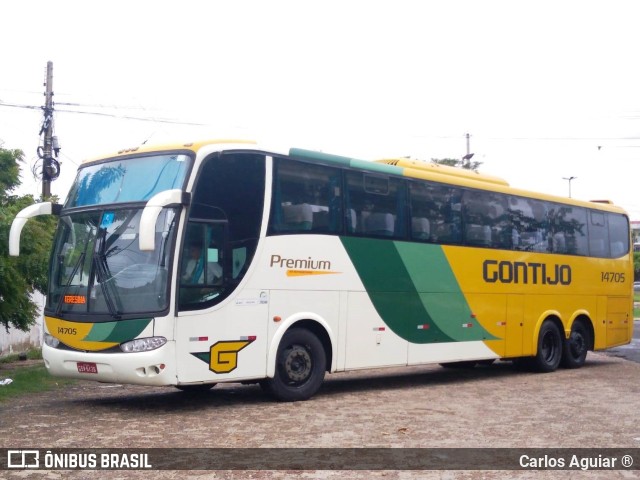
{"points": [[224, 355]]}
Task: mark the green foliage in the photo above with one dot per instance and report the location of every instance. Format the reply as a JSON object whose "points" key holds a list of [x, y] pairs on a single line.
{"points": [[20, 276], [636, 265], [467, 164]]}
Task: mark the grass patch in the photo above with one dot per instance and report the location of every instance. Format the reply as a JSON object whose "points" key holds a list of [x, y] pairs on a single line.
{"points": [[31, 354], [27, 380]]}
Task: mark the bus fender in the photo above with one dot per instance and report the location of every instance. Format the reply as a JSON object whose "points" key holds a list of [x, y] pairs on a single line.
{"points": [[577, 314], [536, 331], [285, 325]]}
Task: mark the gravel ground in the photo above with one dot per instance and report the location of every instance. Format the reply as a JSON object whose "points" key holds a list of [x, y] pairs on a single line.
{"points": [[498, 406]]}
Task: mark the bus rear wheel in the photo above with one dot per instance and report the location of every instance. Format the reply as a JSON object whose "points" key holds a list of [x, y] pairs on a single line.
{"points": [[575, 348], [300, 366], [549, 348]]}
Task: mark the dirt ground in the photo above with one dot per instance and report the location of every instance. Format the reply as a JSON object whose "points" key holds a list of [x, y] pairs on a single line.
{"points": [[596, 406]]}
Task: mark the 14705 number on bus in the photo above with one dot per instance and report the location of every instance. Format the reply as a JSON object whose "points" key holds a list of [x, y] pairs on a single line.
{"points": [[612, 277]]}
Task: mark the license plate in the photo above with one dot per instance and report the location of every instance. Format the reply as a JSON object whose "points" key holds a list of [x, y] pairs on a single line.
{"points": [[87, 367]]}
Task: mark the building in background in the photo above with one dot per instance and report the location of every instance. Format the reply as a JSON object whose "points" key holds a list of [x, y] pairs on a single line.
{"points": [[16, 341]]}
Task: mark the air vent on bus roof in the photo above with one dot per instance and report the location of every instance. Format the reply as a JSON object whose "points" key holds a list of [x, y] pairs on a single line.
{"points": [[443, 170], [607, 202]]}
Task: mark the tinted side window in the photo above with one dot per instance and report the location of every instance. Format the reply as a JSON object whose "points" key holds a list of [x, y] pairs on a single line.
{"points": [[230, 187], [618, 234], [435, 213], [530, 231], [598, 234], [306, 198], [223, 228], [375, 205], [486, 221], [568, 229]]}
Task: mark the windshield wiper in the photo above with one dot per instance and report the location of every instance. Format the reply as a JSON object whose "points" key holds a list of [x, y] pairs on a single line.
{"points": [[71, 277], [102, 272]]}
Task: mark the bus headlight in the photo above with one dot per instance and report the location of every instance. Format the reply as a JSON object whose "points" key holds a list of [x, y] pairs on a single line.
{"points": [[51, 341], [143, 344]]}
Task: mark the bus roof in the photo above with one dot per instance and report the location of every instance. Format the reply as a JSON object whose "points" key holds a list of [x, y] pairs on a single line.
{"points": [[444, 170], [150, 148], [445, 174], [395, 166]]}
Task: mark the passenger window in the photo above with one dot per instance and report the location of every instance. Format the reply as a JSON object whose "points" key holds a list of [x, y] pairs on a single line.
{"points": [[375, 205], [530, 227], [570, 223], [486, 223], [618, 234], [598, 235], [435, 213], [306, 198]]}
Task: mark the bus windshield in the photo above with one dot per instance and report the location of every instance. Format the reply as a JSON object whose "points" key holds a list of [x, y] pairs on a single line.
{"points": [[97, 267], [127, 180]]}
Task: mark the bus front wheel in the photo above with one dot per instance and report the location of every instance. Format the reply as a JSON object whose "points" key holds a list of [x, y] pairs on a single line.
{"points": [[549, 348], [300, 366]]}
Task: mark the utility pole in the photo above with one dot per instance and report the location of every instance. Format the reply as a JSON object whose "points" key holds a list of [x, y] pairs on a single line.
{"points": [[48, 166]]}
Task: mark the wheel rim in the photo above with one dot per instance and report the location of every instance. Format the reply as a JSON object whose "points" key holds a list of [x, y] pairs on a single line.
{"points": [[577, 344], [297, 365]]}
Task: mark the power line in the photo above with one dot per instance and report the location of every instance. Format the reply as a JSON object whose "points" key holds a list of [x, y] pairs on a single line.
{"points": [[15, 105], [181, 122], [100, 105], [103, 114], [131, 117]]}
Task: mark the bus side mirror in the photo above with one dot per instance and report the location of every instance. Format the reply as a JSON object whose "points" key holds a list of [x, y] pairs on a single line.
{"points": [[44, 208], [150, 214]]}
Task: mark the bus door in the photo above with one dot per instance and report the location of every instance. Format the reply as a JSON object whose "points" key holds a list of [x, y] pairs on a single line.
{"points": [[219, 336]]}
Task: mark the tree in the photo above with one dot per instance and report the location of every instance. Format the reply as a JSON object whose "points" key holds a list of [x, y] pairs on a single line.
{"points": [[465, 163], [20, 276]]}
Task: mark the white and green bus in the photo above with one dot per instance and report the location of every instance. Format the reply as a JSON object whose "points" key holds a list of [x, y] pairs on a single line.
{"points": [[190, 265]]}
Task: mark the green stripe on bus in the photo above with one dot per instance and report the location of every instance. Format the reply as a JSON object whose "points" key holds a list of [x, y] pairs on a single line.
{"points": [[346, 161], [440, 292], [119, 331], [414, 290], [392, 290]]}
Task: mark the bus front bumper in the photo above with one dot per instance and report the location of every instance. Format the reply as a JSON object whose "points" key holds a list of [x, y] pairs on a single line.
{"points": [[155, 367]]}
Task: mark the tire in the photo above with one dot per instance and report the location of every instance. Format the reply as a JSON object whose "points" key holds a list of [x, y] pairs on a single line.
{"points": [[549, 354], [575, 348], [300, 366]]}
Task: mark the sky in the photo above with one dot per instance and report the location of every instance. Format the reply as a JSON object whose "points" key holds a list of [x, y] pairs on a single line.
{"points": [[547, 90]]}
